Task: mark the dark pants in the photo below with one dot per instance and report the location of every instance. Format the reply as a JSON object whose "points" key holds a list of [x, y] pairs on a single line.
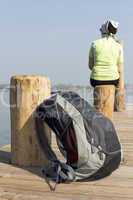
{"points": [[95, 83]]}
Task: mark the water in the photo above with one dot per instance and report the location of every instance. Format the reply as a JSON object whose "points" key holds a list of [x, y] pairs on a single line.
{"points": [[4, 118], [5, 110]]}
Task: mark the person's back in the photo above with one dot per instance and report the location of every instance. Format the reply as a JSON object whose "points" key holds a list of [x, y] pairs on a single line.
{"points": [[105, 57]]}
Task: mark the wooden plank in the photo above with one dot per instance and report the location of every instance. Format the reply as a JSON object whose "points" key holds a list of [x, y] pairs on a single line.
{"points": [[19, 181], [28, 183]]}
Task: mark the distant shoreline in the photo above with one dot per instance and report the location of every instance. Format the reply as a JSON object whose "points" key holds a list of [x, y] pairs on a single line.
{"points": [[56, 87], [4, 86], [68, 86]]}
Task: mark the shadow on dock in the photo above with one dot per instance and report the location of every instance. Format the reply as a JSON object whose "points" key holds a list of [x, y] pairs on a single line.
{"points": [[5, 157]]}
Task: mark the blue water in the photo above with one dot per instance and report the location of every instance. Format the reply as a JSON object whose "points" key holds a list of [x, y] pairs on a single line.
{"points": [[5, 110], [4, 118]]}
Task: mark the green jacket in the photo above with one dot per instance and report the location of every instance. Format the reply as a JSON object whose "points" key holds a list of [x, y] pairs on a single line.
{"points": [[104, 57]]}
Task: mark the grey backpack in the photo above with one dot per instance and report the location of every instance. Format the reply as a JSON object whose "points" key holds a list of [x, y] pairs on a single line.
{"points": [[86, 138]]}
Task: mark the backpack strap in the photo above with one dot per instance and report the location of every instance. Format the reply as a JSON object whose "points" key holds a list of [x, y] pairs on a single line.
{"points": [[43, 140], [56, 171]]}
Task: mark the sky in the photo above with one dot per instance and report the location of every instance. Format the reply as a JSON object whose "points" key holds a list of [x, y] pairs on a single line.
{"points": [[52, 37]]}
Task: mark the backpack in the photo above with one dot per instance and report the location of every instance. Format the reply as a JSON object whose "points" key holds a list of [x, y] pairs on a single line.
{"points": [[85, 137]]}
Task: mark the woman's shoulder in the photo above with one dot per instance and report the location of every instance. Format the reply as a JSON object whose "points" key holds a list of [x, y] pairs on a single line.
{"points": [[119, 42], [97, 41]]}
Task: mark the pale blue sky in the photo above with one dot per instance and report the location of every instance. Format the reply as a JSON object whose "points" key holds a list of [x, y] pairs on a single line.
{"points": [[52, 37]]}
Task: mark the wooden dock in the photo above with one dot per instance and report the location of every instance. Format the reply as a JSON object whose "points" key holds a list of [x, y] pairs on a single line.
{"points": [[27, 184]]}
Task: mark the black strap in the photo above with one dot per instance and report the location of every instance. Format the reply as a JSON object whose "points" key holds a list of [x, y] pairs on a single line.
{"points": [[64, 173]]}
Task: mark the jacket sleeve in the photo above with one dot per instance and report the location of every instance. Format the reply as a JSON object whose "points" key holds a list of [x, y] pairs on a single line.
{"points": [[121, 56], [91, 57]]}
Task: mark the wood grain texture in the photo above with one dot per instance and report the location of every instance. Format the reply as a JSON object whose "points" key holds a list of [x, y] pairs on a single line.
{"points": [[104, 99], [119, 104]]}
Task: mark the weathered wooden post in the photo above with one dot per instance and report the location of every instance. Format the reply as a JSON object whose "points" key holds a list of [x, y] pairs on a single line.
{"points": [[26, 93], [119, 104], [104, 99]]}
